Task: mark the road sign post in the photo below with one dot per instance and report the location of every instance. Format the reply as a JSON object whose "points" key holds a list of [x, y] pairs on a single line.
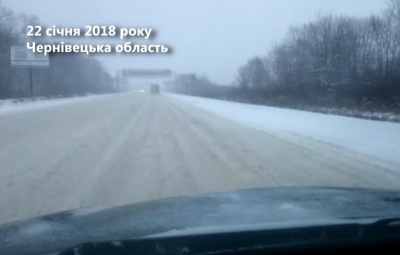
{"points": [[30, 82], [21, 56]]}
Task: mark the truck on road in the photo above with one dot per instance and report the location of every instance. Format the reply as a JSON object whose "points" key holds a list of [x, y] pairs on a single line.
{"points": [[154, 89]]}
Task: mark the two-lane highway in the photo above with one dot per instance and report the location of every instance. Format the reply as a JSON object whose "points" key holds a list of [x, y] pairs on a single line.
{"points": [[126, 148]]}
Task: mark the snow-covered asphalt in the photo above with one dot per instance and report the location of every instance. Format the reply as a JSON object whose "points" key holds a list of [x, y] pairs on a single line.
{"points": [[125, 148]]}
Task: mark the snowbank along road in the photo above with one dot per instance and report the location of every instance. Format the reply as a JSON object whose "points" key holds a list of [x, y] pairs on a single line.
{"points": [[125, 148]]}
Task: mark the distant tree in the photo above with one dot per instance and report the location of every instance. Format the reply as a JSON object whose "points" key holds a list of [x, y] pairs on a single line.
{"points": [[243, 77], [68, 74], [259, 76], [6, 39], [254, 74]]}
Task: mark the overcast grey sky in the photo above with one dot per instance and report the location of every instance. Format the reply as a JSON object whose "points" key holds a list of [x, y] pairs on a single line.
{"points": [[212, 37]]}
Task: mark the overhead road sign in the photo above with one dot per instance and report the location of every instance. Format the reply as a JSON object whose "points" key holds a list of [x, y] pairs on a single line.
{"points": [[148, 73]]}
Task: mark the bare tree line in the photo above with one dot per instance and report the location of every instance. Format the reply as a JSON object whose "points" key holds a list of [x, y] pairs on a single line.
{"points": [[335, 64], [68, 74], [332, 61]]}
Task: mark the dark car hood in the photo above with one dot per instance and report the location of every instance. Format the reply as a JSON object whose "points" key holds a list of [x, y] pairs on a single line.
{"points": [[240, 210]]}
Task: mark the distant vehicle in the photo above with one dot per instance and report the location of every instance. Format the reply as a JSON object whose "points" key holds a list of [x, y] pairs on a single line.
{"points": [[154, 89]]}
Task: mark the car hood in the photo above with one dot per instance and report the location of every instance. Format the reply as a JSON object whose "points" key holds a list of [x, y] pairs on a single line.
{"points": [[215, 212]]}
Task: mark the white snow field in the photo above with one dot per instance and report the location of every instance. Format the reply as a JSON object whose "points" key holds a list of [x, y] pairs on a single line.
{"points": [[377, 139]]}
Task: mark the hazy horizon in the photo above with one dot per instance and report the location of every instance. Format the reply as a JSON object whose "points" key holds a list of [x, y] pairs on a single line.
{"points": [[212, 38]]}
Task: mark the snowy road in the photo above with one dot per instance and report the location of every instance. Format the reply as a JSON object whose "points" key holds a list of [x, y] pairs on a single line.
{"points": [[117, 149]]}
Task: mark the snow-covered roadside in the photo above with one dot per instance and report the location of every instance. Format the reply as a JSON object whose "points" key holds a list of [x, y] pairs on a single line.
{"points": [[372, 138], [12, 105], [368, 115]]}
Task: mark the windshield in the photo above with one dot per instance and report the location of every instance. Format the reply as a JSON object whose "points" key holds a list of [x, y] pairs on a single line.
{"points": [[106, 103]]}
